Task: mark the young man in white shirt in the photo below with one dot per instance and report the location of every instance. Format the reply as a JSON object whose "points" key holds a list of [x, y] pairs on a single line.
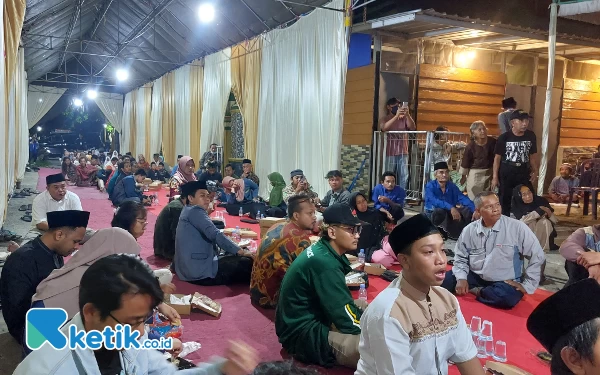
{"points": [[414, 326]]}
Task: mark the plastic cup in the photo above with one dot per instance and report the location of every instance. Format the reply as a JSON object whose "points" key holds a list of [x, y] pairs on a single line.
{"points": [[500, 351], [481, 353], [475, 325], [486, 330], [489, 347]]}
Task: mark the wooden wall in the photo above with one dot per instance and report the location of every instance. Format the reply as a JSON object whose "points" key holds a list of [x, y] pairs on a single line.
{"points": [[358, 106], [455, 97], [580, 120]]}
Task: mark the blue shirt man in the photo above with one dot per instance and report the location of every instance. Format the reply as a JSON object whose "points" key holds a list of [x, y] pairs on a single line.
{"points": [[447, 207], [126, 189], [389, 198]]}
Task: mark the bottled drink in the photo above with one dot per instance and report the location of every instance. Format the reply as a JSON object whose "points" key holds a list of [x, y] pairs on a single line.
{"points": [[241, 212], [362, 293], [361, 257], [258, 214], [236, 235]]}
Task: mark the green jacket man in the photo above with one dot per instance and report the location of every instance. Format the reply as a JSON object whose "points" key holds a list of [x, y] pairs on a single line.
{"points": [[317, 320]]}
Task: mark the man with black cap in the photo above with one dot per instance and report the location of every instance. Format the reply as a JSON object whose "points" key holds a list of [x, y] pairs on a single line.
{"points": [[490, 254], [508, 106], [398, 336], [317, 320], [299, 185], [55, 198], [248, 171], [26, 267], [197, 244], [567, 325], [516, 160], [448, 208]]}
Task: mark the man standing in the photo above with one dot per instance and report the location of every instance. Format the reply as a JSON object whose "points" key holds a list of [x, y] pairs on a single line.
{"points": [[490, 254], [394, 337], [197, 257], [210, 156], [133, 295], [248, 171], [508, 106], [279, 248], [337, 194], [317, 321], [516, 160], [448, 208], [397, 119], [55, 198], [26, 267]]}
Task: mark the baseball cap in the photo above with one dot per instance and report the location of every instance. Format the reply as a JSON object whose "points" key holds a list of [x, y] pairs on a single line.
{"points": [[519, 114], [340, 214]]}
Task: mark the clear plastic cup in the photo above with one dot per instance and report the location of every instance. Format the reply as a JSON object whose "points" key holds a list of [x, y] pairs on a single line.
{"points": [[500, 351], [486, 330], [489, 347], [480, 344], [475, 325]]}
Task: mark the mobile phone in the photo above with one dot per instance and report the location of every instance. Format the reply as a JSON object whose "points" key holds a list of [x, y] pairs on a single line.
{"points": [[404, 104]]}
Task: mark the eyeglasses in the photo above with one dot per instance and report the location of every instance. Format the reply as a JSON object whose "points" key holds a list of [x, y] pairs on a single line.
{"points": [[141, 220], [136, 324], [352, 230]]}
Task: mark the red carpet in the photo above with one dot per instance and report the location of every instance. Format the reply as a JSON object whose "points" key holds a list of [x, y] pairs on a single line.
{"points": [[241, 320]]}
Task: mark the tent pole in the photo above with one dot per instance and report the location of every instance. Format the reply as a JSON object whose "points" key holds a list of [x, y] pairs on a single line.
{"points": [[548, 104]]}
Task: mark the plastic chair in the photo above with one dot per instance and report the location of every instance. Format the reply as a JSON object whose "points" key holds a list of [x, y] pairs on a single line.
{"points": [[589, 182]]}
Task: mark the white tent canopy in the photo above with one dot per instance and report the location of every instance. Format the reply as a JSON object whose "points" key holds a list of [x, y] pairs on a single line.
{"points": [[580, 7], [40, 99]]}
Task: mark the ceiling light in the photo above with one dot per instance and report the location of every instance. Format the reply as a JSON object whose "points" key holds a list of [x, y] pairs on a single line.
{"points": [[39, 128], [471, 55], [206, 12], [77, 102], [122, 74], [40, 100], [92, 94]]}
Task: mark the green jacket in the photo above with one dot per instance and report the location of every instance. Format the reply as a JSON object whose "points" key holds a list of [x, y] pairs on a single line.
{"points": [[313, 300]]}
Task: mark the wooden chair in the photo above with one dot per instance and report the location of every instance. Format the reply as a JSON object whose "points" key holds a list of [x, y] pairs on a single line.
{"points": [[589, 185]]}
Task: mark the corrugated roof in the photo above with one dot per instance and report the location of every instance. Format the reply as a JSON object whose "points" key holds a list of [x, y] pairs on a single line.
{"points": [[97, 30]]}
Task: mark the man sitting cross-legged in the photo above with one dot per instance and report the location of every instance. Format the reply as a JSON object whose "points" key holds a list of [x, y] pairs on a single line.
{"points": [[279, 248], [127, 189], [337, 194], [448, 208], [197, 257], [389, 198], [317, 320], [397, 335], [581, 251], [489, 257], [561, 185], [122, 290]]}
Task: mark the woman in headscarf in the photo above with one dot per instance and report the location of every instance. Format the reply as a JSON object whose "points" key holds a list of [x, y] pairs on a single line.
{"points": [[536, 212], [68, 169], [374, 230], [185, 173], [61, 288], [86, 173], [240, 190], [276, 195], [142, 163]]}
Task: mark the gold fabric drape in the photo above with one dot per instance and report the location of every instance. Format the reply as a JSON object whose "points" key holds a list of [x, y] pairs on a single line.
{"points": [[132, 126], [14, 15], [168, 119], [245, 78], [196, 92]]}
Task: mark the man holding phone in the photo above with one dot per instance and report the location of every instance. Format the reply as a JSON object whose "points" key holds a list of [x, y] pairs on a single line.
{"points": [[397, 119], [299, 185]]}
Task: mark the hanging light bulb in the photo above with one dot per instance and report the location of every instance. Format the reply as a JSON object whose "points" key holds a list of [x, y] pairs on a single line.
{"points": [[77, 102], [92, 94], [206, 12]]}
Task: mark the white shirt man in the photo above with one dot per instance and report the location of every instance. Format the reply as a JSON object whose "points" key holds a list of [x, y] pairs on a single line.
{"points": [[414, 326]]}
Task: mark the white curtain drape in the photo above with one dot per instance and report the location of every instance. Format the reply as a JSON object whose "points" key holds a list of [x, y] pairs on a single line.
{"points": [[126, 124], [301, 98], [22, 130], [111, 106], [142, 119], [3, 181], [217, 87], [156, 117], [40, 99], [10, 135], [183, 110]]}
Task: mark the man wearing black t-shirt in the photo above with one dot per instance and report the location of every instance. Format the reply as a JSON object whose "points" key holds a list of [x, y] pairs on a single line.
{"points": [[516, 160]]}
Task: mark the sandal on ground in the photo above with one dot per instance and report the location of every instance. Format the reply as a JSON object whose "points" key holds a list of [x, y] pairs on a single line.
{"points": [[29, 207], [26, 218], [23, 208], [31, 191]]}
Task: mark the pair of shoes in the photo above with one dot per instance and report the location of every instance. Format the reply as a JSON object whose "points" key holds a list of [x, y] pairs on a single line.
{"points": [[475, 291]]}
